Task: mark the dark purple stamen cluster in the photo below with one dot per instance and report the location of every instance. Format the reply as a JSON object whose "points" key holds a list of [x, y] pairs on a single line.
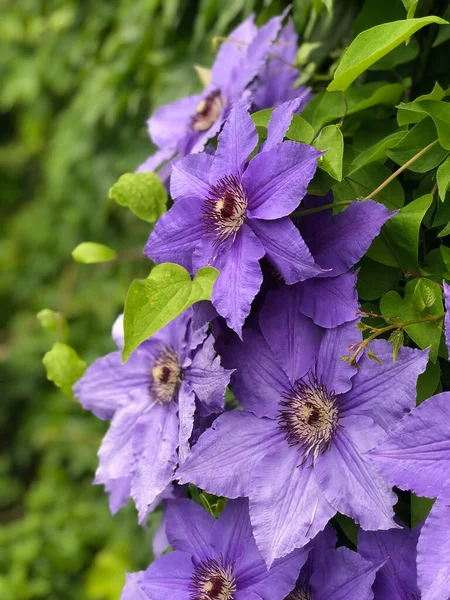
{"points": [[225, 207], [207, 111], [213, 580]]}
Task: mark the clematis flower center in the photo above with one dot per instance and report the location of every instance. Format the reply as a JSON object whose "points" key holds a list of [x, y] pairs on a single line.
{"points": [[166, 376], [309, 417], [225, 208], [213, 580], [207, 111], [300, 593]]}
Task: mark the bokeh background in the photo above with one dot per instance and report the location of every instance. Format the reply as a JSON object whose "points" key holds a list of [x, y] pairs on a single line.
{"points": [[78, 81]]}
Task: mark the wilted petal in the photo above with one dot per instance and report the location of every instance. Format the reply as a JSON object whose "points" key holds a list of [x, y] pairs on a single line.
{"points": [[285, 249], [276, 181], [292, 337], [176, 234], [171, 122], [385, 392], [188, 527], [223, 459], [190, 177], [416, 454], [348, 481], [287, 507], [433, 550], [344, 575], [239, 280], [168, 577]]}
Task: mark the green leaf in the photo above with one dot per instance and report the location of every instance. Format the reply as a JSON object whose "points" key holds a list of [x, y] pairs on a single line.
{"points": [[425, 334], [374, 279], [420, 509], [152, 303], [418, 138], [397, 245], [90, 252], [439, 111], [443, 178], [445, 231], [428, 381], [399, 56], [371, 45], [300, 130], [445, 253], [349, 527], [332, 141], [64, 367], [411, 7], [377, 152], [397, 339], [53, 321], [261, 118], [423, 296], [143, 193]]}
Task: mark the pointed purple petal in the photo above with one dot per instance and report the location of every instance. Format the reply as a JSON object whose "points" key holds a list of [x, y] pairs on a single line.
{"points": [[188, 527], [186, 409], [239, 280], [176, 234], [276, 181], [292, 337], [416, 454], [223, 459], [340, 243], [155, 161], [168, 577], [344, 575], [336, 374], [433, 550], [119, 491], [285, 249], [190, 177], [154, 447], [171, 123], [348, 481], [323, 542], [236, 142], [329, 301], [259, 382], [232, 531], [385, 392], [279, 123], [287, 507]]}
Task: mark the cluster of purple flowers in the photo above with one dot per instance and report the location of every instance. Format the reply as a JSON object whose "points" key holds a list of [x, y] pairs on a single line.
{"points": [[312, 435]]}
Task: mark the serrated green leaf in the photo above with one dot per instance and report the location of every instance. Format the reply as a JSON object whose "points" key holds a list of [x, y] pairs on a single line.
{"points": [[64, 367], [397, 245], [438, 111], [420, 509], [91, 252], [331, 141], [143, 193], [443, 178], [371, 45], [53, 321], [418, 138], [152, 303], [397, 339]]}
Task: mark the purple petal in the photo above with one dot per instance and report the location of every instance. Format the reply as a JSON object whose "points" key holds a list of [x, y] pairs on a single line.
{"points": [[160, 543], [433, 550], [447, 314], [188, 527], [416, 454], [176, 234], [385, 392], [207, 378], [239, 280], [236, 142], [168, 577], [132, 589], [186, 409], [287, 507], [330, 301], [344, 575], [232, 531], [259, 382], [276, 181], [154, 447], [172, 122], [349, 482], [346, 237], [285, 249], [336, 374], [323, 542], [107, 382], [223, 459], [117, 332], [190, 177], [397, 578], [279, 123], [292, 337], [155, 161], [119, 491]]}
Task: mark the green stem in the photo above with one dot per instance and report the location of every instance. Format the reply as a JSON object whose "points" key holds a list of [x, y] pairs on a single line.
{"points": [[311, 211]]}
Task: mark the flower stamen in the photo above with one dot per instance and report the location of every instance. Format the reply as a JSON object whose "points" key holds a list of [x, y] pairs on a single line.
{"points": [[207, 111], [213, 580], [225, 208], [166, 376]]}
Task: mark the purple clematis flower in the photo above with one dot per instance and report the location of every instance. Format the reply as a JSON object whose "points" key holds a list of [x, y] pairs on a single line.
{"points": [[213, 560], [331, 574], [185, 126], [151, 401], [229, 213], [415, 456], [397, 578], [297, 450]]}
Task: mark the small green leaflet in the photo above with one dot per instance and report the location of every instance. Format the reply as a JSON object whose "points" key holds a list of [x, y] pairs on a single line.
{"points": [[397, 339], [152, 303], [64, 367], [371, 45], [331, 141], [439, 111], [424, 296], [91, 252], [143, 193]]}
